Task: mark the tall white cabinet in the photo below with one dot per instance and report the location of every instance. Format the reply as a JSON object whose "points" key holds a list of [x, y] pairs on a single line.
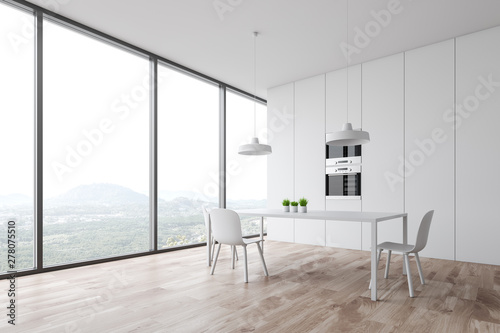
{"points": [[383, 111], [477, 136], [343, 105], [429, 145], [281, 163], [310, 155]]}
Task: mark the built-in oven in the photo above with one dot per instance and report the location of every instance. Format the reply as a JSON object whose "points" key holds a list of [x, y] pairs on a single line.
{"points": [[343, 182], [341, 152]]}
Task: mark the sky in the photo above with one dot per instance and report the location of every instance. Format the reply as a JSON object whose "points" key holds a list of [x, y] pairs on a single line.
{"points": [[96, 119]]}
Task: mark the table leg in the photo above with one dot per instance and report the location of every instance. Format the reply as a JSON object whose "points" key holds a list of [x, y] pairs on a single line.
{"points": [[209, 243], [262, 232], [374, 261], [405, 237]]}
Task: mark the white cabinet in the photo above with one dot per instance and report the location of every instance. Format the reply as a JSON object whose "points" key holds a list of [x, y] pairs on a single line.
{"points": [[429, 145], [280, 164], [309, 155], [343, 234], [477, 153], [338, 99], [383, 118]]}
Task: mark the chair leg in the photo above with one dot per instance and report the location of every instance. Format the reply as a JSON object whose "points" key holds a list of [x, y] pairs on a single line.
{"points": [[262, 258], [387, 264], [408, 273], [213, 249], [245, 268], [233, 250], [236, 252], [417, 259], [215, 260], [378, 260]]}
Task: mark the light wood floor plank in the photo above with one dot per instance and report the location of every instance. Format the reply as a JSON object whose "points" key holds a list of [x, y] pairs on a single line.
{"points": [[310, 289]]}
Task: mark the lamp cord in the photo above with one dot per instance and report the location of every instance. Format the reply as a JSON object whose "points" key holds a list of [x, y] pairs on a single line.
{"points": [[347, 60], [255, 84]]}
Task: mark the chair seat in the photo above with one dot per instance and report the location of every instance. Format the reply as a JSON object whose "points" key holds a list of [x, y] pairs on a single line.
{"points": [[398, 247], [251, 240]]}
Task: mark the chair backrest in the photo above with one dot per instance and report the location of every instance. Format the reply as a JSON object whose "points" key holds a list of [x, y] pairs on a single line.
{"points": [[206, 216], [226, 226], [423, 232]]}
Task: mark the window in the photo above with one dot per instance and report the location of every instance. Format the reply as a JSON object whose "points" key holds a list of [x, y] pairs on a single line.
{"points": [[188, 156], [96, 148], [16, 135], [246, 176]]}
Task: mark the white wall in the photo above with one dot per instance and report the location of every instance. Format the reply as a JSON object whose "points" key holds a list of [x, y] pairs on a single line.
{"points": [[478, 155], [417, 159]]}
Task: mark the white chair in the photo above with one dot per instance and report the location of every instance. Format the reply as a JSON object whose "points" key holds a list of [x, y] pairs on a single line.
{"points": [[226, 227], [406, 249], [210, 239]]}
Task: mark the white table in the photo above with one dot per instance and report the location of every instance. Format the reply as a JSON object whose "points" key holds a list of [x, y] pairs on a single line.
{"points": [[372, 217]]}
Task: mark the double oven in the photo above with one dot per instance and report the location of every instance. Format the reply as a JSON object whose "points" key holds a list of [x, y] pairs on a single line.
{"points": [[343, 172]]}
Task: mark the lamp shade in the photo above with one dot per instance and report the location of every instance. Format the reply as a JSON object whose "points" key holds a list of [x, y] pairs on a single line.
{"points": [[255, 148], [347, 137]]}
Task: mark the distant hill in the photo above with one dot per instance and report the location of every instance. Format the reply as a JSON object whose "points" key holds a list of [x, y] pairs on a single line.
{"points": [[116, 195], [15, 199], [99, 194]]}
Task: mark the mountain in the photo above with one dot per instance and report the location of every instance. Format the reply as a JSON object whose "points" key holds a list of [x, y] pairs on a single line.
{"points": [[15, 199], [99, 194]]}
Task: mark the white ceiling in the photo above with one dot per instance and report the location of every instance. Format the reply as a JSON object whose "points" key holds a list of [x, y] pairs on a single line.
{"points": [[299, 38]]}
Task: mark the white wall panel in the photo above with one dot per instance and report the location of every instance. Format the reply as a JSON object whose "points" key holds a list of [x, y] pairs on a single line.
{"points": [[430, 145], [383, 111], [280, 166], [310, 155], [477, 138]]}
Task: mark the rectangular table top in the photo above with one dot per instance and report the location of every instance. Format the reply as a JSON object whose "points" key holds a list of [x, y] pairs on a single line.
{"points": [[324, 215]]}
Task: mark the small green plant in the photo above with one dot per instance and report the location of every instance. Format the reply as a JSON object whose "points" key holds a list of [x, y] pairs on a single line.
{"points": [[286, 202], [303, 201], [294, 203]]}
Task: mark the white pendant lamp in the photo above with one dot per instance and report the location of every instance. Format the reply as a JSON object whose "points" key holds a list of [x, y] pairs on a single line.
{"points": [[254, 147], [347, 136]]}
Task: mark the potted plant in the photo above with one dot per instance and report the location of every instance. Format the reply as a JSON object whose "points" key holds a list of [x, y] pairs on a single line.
{"points": [[294, 205], [303, 205], [286, 205]]}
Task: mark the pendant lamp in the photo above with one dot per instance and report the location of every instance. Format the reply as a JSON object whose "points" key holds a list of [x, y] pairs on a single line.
{"points": [[347, 136], [254, 147]]}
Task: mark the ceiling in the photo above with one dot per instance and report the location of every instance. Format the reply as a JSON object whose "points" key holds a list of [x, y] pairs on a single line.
{"points": [[299, 38]]}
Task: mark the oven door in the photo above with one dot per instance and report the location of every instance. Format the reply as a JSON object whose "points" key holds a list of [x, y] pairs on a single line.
{"points": [[343, 186], [342, 151]]}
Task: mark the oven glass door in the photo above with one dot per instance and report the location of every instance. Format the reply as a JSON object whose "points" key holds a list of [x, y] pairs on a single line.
{"points": [[345, 151], [343, 185]]}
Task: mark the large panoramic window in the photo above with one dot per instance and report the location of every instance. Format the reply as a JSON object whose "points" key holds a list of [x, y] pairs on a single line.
{"points": [[188, 156], [246, 176], [16, 136], [96, 148]]}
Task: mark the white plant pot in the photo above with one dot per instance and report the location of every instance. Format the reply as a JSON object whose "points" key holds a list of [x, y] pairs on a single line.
{"points": [[293, 209], [286, 209], [302, 209]]}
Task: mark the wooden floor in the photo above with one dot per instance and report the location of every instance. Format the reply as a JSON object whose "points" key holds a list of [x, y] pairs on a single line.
{"points": [[310, 289]]}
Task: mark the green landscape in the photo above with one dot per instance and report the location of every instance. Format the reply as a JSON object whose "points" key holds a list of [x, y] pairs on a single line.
{"points": [[105, 220]]}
